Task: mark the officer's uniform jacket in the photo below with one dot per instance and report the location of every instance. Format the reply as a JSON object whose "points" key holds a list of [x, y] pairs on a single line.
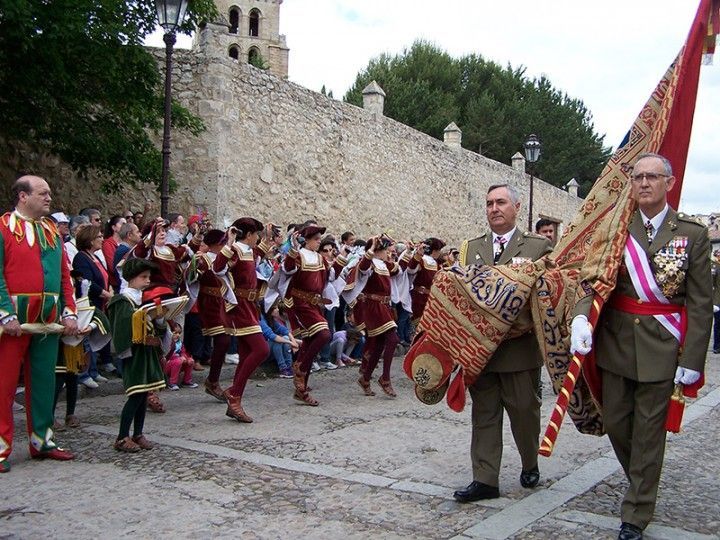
{"points": [[520, 353]]}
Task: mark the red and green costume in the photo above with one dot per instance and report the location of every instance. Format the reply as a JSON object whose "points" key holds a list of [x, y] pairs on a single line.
{"points": [[35, 287]]}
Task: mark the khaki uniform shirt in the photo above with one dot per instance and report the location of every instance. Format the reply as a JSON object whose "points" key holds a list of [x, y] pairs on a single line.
{"points": [[521, 353]]}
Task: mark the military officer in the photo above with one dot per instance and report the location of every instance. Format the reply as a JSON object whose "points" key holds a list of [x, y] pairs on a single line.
{"points": [[639, 343], [511, 379]]}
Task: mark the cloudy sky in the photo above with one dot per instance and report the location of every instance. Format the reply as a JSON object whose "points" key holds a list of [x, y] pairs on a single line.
{"points": [[609, 54]]}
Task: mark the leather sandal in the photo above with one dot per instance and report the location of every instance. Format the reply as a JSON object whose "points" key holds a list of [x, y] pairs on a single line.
{"points": [[235, 410], [127, 445], [143, 443], [154, 403], [306, 398], [72, 421], [365, 385], [387, 387], [215, 390]]}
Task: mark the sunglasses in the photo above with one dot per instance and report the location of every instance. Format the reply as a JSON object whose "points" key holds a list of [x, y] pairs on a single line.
{"points": [[327, 250]]}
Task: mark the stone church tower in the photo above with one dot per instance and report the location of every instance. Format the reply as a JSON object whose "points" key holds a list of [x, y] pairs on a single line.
{"points": [[247, 31]]}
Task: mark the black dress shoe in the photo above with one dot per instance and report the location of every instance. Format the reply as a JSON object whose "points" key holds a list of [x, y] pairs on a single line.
{"points": [[530, 479], [628, 531], [476, 491]]}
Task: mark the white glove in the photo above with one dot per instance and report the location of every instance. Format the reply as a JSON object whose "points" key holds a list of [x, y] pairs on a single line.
{"points": [[580, 335], [684, 375], [716, 309]]}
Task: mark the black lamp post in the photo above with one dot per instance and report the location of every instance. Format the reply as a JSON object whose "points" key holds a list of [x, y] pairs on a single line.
{"points": [[533, 147], [170, 16]]}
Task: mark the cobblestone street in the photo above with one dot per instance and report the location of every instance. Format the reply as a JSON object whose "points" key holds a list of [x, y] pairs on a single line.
{"points": [[354, 467]]}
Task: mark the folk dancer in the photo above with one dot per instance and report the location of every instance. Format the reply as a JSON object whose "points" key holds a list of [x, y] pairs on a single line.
{"points": [[238, 260], [307, 274], [421, 267], [167, 257], [373, 291], [215, 297]]}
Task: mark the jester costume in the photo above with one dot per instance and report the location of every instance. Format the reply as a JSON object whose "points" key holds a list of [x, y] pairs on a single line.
{"points": [[35, 287]]}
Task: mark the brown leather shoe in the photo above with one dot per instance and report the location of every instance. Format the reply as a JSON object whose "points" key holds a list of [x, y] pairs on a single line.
{"points": [[197, 366], [72, 421], [215, 390], [143, 443], [235, 410], [57, 454], [127, 445]]}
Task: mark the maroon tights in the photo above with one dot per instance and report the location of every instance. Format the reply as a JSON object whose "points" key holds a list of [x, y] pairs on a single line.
{"points": [[376, 346], [221, 344], [309, 349], [253, 349]]}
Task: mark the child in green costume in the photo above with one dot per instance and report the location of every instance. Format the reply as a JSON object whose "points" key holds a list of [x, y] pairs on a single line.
{"points": [[139, 343]]}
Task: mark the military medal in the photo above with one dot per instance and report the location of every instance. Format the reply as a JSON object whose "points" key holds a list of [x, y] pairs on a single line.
{"points": [[669, 261]]}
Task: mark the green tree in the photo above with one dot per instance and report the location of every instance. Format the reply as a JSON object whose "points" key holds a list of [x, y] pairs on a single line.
{"points": [[496, 107], [76, 81]]}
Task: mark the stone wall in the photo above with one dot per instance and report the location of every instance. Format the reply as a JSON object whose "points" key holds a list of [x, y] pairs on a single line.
{"points": [[287, 153], [281, 152]]}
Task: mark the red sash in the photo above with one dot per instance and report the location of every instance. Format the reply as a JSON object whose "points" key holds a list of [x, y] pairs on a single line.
{"points": [[639, 307]]}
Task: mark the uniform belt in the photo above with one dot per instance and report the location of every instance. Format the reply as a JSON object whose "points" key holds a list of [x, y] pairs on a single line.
{"points": [[310, 298], [211, 291], [378, 298], [422, 290], [246, 294]]}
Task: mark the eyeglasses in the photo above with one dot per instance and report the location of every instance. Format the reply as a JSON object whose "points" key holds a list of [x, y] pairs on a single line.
{"points": [[650, 177], [129, 216], [326, 250]]}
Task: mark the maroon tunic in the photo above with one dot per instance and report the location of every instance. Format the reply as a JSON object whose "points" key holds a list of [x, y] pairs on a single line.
{"points": [[375, 313], [424, 271], [306, 316], [240, 262], [167, 258], [211, 304]]}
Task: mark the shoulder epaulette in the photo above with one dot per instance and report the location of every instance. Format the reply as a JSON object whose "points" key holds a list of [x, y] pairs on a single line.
{"points": [[690, 219], [462, 256], [528, 234]]}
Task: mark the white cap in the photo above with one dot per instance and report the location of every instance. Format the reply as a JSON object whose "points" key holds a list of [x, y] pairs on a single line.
{"points": [[60, 217]]}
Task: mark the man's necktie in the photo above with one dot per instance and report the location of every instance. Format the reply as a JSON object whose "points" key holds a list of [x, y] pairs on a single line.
{"points": [[500, 241], [649, 231]]}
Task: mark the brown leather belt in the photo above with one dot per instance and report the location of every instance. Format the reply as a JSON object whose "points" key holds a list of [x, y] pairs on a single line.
{"points": [[151, 341], [310, 298], [211, 291], [246, 294], [422, 290], [378, 298]]}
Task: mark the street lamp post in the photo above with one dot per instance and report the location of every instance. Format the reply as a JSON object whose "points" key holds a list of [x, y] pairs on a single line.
{"points": [[533, 147], [170, 16]]}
